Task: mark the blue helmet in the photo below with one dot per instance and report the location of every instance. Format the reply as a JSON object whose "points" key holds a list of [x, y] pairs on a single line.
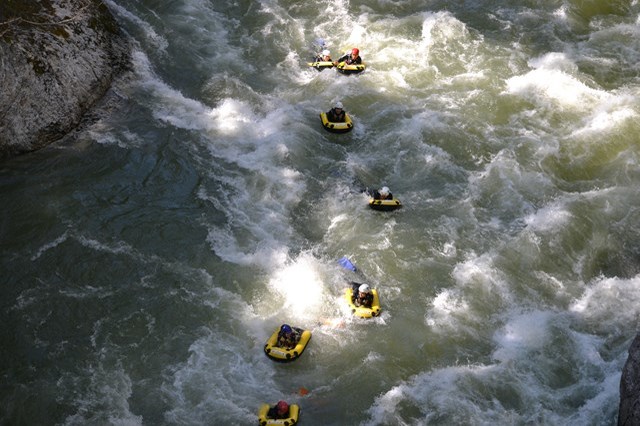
{"points": [[285, 328]]}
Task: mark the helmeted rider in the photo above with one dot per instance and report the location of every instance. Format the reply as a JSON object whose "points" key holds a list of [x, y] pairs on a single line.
{"points": [[324, 56], [350, 58], [287, 337], [337, 114], [382, 194], [363, 297], [279, 411]]}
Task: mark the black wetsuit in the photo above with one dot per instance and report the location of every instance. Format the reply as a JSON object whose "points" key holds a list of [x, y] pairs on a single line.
{"points": [[366, 300], [273, 413], [289, 341], [336, 117], [348, 59], [377, 196]]}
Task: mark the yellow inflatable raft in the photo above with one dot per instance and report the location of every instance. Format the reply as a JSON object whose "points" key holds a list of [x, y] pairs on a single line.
{"points": [[277, 353], [361, 311], [320, 65], [294, 412], [385, 205], [343, 68], [336, 127]]}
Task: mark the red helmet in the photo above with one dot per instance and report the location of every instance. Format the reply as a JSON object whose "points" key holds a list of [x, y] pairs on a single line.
{"points": [[282, 407], [355, 52]]}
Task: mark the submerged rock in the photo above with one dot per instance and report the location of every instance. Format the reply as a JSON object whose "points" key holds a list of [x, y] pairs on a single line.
{"points": [[57, 59]]}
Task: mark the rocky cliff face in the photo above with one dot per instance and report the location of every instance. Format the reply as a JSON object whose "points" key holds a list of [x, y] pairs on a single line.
{"points": [[57, 58], [629, 411]]}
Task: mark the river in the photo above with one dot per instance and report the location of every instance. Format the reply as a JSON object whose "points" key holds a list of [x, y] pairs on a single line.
{"points": [[146, 262]]}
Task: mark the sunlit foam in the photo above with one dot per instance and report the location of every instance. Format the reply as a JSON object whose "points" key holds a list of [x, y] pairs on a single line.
{"points": [[482, 284], [476, 270], [226, 246], [443, 24], [554, 85], [561, 13], [557, 68], [447, 306], [386, 405], [335, 221], [524, 333], [432, 393], [258, 203], [229, 116], [397, 77], [551, 79], [171, 106], [373, 356], [606, 120], [301, 287], [553, 61], [549, 218], [606, 296], [449, 249]]}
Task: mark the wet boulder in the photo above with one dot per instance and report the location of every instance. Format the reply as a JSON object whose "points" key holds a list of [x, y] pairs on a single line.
{"points": [[57, 59], [629, 411]]}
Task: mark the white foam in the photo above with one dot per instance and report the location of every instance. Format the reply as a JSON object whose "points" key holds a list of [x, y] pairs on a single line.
{"points": [[606, 296], [446, 309], [478, 271], [524, 333], [229, 354], [238, 380], [545, 85], [108, 391], [156, 41], [607, 116], [48, 246], [554, 61], [549, 218], [439, 394]]}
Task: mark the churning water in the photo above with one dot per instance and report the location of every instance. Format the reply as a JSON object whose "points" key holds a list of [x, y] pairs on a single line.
{"points": [[145, 263]]}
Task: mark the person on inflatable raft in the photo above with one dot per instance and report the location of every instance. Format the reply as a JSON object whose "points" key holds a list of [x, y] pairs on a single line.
{"points": [[288, 337], [324, 56], [350, 58], [362, 295], [279, 411], [382, 194], [337, 113]]}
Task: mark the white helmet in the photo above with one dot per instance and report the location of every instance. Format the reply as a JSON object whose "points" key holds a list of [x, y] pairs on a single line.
{"points": [[326, 52], [384, 190], [338, 105], [364, 288]]}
